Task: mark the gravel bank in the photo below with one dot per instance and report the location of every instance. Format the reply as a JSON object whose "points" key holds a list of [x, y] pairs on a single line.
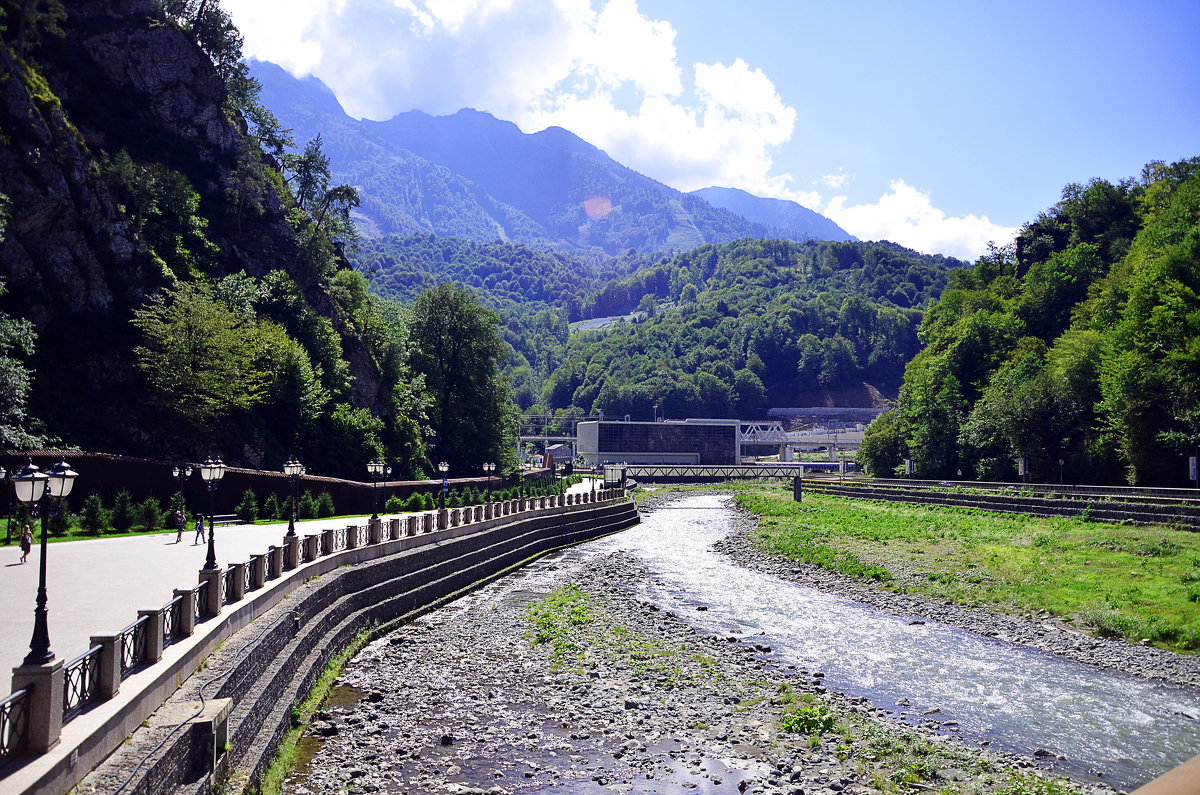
{"points": [[463, 701], [1038, 631]]}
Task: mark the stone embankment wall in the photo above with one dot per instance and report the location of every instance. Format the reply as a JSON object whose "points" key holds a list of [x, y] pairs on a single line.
{"points": [[272, 654], [1110, 510]]}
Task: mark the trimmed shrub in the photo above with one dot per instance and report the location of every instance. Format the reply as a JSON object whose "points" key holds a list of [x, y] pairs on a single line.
{"points": [[247, 509], [122, 512], [394, 505], [325, 505]]}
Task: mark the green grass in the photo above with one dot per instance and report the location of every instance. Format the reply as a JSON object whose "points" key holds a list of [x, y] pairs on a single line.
{"points": [[1117, 580], [280, 768]]}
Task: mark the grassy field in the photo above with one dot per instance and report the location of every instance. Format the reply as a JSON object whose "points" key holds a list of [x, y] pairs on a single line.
{"points": [[1116, 580]]}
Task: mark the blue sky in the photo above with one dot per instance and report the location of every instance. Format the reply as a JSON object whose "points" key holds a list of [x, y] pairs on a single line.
{"points": [[938, 125]]}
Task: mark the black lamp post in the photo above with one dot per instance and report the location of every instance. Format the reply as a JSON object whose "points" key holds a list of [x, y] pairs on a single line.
{"points": [[212, 472], [293, 469], [489, 468], [444, 468], [31, 485], [182, 474], [8, 527], [377, 470]]}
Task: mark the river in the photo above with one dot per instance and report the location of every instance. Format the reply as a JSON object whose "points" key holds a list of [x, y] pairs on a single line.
{"points": [[1123, 728]]}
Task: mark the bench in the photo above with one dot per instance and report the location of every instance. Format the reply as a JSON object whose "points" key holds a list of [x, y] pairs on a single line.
{"points": [[226, 518]]}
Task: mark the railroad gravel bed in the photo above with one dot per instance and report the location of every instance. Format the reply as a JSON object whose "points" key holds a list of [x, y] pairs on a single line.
{"points": [[463, 701], [1039, 631]]}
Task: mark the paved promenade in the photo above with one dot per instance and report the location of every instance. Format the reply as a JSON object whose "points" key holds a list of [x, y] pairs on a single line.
{"points": [[96, 586]]}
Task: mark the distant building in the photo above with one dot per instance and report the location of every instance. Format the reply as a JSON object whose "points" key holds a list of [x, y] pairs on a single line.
{"points": [[705, 442], [561, 454]]}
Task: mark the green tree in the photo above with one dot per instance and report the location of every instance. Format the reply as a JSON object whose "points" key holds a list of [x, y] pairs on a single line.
{"points": [[93, 518], [247, 509], [149, 514], [29, 21], [325, 505], [458, 349], [200, 358], [270, 508], [123, 515]]}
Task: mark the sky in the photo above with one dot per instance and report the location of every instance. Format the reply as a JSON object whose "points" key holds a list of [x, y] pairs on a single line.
{"points": [[942, 126]]}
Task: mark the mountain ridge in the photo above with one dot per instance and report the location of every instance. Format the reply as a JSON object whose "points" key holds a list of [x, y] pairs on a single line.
{"points": [[472, 175]]}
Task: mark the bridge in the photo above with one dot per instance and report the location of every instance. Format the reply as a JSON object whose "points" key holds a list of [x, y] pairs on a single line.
{"points": [[671, 473]]}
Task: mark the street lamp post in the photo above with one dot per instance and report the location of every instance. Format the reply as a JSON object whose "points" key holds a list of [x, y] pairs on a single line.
{"points": [[443, 467], [30, 486], [376, 469], [489, 468], [182, 474], [212, 472], [293, 469], [8, 527]]}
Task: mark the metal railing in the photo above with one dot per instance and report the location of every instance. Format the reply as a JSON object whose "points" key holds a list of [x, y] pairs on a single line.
{"points": [[201, 601], [339, 538], [172, 619], [227, 584], [80, 677], [14, 724], [133, 645]]}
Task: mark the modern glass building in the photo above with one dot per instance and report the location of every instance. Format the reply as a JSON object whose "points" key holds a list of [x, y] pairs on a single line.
{"points": [[708, 442]]}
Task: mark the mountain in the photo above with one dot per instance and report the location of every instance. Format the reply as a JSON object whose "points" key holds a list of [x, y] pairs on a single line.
{"points": [[475, 176], [775, 213], [728, 330]]}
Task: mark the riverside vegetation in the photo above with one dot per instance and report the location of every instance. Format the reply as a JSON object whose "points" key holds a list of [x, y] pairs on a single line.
{"points": [[1132, 582]]}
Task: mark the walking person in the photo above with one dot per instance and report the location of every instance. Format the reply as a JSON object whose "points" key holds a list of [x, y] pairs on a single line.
{"points": [[180, 521], [199, 531], [26, 543]]}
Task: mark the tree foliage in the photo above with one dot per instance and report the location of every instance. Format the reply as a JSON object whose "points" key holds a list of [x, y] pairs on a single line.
{"points": [[458, 349], [1078, 344]]}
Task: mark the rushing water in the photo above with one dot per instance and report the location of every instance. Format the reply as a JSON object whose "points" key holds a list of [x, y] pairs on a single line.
{"points": [[1123, 728]]}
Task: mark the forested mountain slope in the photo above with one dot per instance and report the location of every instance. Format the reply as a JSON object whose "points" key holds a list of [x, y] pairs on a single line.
{"points": [[731, 329], [1081, 342]]}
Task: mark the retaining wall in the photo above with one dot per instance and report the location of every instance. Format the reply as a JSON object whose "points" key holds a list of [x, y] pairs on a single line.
{"points": [[292, 641]]}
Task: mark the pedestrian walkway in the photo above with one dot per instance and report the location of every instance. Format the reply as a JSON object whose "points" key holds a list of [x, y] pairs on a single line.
{"points": [[96, 586]]}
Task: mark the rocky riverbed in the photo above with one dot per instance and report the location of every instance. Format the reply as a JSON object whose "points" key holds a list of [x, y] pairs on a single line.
{"points": [[563, 680]]}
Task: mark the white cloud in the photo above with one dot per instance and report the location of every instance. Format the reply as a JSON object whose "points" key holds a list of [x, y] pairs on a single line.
{"points": [[600, 68], [837, 180], [906, 216]]}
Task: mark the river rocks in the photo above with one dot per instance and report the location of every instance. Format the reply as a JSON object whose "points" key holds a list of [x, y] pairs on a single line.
{"points": [[462, 700]]}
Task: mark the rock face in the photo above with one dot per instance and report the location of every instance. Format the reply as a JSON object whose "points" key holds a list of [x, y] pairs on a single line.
{"points": [[120, 79]]}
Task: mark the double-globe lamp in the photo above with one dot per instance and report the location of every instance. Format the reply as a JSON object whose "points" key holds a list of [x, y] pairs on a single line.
{"points": [[211, 473], [293, 469], [30, 486]]}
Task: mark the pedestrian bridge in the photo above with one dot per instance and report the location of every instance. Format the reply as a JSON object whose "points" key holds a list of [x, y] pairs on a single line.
{"points": [[673, 473]]}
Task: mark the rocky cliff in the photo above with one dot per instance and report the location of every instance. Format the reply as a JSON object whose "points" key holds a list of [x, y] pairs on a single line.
{"points": [[77, 258]]}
